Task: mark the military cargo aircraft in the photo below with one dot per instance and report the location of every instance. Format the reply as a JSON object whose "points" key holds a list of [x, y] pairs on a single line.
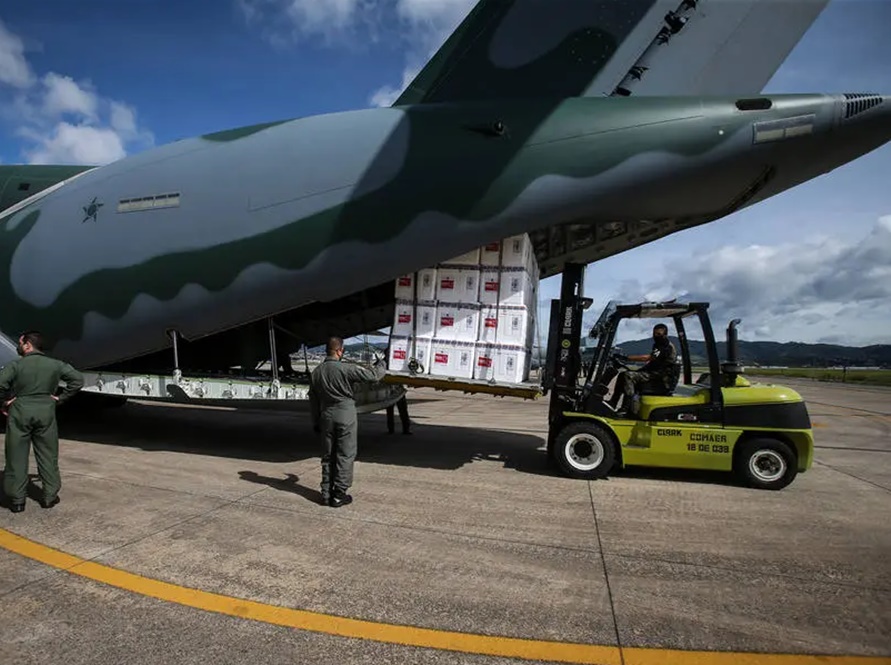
{"points": [[593, 126]]}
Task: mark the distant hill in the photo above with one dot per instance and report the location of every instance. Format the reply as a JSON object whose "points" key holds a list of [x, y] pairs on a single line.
{"points": [[789, 354]]}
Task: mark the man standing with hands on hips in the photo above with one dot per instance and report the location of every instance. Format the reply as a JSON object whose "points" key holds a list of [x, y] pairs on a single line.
{"points": [[31, 418]]}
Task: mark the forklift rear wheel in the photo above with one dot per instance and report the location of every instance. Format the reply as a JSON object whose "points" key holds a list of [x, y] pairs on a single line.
{"points": [[584, 450], [768, 464]]}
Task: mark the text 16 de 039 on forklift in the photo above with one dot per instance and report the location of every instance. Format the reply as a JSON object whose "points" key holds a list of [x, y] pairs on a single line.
{"points": [[722, 422]]}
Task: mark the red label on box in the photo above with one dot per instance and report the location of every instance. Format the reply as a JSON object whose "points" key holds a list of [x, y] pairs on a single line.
{"points": [[405, 281], [442, 358], [491, 323], [446, 321], [492, 247], [491, 286], [447, 284], [399, 354], [484, 362], [405, 318]]}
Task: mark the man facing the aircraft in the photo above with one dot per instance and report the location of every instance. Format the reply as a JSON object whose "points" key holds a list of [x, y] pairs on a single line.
{"points": [[334, 417], [30, 413]]}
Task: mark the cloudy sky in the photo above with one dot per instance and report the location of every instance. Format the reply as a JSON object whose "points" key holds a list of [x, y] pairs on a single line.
{"points": [[92, 81]]}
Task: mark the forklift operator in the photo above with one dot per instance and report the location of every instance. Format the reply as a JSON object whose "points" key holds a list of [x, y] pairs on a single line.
{"points": [[659, 370]]}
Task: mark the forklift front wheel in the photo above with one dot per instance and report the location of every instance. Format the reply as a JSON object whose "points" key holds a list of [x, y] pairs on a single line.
{"points": [[584, 450]]}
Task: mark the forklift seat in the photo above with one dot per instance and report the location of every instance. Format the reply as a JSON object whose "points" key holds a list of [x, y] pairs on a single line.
{"points": [[656, 390], [659, 389]]}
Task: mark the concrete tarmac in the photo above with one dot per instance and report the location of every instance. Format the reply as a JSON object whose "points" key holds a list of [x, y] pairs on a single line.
{"points": [[193, 535]]}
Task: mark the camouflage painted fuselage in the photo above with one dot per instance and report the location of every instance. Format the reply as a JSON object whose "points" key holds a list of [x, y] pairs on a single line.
{"points": [[210, 233]]}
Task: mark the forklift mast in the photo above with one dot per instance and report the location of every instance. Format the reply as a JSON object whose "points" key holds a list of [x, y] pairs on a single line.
{"points": [[564, 363]]}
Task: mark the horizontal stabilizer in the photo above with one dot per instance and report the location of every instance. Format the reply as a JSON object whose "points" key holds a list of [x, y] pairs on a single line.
{"points": [[512, 49], [725, 47]]}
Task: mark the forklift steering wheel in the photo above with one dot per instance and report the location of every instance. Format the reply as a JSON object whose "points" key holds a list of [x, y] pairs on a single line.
{"points": [[619, 360]]}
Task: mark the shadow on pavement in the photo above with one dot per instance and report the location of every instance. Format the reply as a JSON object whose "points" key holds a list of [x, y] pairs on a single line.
{"points": [[694, 476], [290, 483], [285, 437], [281, 436]]}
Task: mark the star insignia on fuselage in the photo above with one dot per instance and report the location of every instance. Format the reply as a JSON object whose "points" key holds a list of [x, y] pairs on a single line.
{"points": [[91, 211]]}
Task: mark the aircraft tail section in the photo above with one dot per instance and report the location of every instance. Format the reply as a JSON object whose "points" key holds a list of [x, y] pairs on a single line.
{"points": [[510, 49]]}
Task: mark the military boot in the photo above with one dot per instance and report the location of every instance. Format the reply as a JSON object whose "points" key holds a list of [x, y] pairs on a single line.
{"points": [[339, 499]]}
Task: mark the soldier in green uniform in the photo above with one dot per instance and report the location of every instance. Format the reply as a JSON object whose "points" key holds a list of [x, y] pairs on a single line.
{"points": [[402, 405], [31, 418], [334, 416], [660, 369]]}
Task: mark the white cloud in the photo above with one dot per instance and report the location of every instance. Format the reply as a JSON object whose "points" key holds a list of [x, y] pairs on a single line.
{"points": [[439, 14], [422, 25], [285, 21], [318, 16], [76, 144], [63, 95], [64, 121], [14, 69], [123, 119], [386, 95], [426, 26], [832, 289]]}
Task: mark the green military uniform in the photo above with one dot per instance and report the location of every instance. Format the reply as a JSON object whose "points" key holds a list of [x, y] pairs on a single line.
{"points": [[32, 381], [334, 416], [661, 370], [402, 405]]}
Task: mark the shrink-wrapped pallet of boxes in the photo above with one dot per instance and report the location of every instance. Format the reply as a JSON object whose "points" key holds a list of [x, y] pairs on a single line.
{"points": [[509, 277], [508, 324], [457, 283], [472, 317], [452, 358], [426, 286], [405, 349], [415, 319], [459, 322], [503, 363], [515, 252]]}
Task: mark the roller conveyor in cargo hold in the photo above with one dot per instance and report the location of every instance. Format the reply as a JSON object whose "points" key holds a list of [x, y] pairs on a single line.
{"points": [[469, 324]]}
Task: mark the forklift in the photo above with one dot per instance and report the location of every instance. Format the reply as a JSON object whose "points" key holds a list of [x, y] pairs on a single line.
{"points": [[721, 422]]}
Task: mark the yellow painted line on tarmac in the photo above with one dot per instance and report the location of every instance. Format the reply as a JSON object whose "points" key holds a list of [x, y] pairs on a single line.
{"points": [[312, 621], [488, 645], [642, 656]]}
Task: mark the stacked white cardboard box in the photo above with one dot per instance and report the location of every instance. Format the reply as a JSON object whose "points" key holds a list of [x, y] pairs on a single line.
{"points": [[472, 317]]}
